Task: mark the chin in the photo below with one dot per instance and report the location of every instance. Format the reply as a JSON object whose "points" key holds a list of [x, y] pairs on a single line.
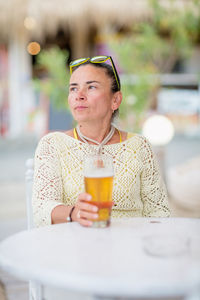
{"points": [[84, 116], [79, 118]]}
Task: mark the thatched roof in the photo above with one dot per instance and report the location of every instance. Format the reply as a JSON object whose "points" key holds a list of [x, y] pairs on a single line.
{"points": [[49, 15]]}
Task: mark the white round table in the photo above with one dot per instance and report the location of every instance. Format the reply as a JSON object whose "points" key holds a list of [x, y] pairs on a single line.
{"points": [[110, 261]]}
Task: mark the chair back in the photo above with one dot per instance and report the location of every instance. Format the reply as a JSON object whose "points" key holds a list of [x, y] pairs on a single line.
{"points": [[29, 187], [35, 289]]}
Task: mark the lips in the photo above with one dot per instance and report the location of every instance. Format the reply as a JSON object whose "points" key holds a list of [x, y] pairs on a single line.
{"points": [[80, 107]]}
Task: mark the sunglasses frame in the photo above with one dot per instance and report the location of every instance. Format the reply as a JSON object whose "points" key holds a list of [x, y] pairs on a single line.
{"points": [[80, 61]]}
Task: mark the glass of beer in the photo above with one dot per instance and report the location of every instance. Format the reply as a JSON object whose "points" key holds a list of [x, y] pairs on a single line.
{"points": [[98, 178]]}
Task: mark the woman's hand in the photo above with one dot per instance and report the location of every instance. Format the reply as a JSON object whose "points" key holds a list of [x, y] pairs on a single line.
{"points": [[85, 211]]}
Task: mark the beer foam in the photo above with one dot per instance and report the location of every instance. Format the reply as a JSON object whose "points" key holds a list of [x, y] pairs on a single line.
{"points": [[98, 173]]}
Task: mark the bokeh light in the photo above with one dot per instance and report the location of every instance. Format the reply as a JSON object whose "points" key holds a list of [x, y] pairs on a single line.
{"points": [[158, 129], [29, 23], [33, 48]]}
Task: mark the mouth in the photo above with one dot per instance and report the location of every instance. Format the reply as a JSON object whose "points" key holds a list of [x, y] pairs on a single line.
{"points": [[80, 107]]}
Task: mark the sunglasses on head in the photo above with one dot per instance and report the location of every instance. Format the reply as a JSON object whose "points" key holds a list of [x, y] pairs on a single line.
{"points": [[95, 60]]}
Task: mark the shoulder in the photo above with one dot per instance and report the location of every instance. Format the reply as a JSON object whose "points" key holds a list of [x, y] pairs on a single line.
{"points": [[54, 136], [137, 138], [140, 144], [51, 141]]}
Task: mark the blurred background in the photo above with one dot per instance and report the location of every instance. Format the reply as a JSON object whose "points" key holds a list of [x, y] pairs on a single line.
{"points": [[156, 48]]}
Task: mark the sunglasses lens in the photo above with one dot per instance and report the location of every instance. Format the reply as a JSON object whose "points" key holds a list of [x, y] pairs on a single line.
{"points": [[77, 61], [99, 58]]}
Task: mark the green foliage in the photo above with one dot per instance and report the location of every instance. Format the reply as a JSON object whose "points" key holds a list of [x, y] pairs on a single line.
{"points": [[55, 83], [153, 47], [135, 102]]}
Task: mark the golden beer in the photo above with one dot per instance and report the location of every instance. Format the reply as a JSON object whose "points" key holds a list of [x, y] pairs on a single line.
{"points": [[100, 188], [98, 180]]}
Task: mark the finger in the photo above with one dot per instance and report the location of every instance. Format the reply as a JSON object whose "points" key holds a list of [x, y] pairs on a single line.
{"points": [[88, 207], [87, 215], [84, 197], [86, 223]]}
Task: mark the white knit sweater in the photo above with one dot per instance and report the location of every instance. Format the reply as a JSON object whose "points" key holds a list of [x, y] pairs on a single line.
{"points": [[58, 177]]}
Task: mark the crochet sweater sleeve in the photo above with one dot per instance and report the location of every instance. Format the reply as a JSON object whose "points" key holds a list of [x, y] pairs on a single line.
{"points": [[153, 191], [47, 187]]}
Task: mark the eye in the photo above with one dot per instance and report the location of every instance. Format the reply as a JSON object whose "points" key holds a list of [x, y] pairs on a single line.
{"points": [[73, 89], [91, 87]]}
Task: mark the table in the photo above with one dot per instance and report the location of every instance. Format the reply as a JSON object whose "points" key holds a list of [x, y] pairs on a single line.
{"points": [[110, 261]]}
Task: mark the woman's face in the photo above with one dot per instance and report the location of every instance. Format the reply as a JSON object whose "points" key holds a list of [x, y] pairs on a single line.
{"points": [[90, 97]]}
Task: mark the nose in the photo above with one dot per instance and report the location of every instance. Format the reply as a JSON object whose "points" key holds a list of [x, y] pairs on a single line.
{"points": [[81, 94]]}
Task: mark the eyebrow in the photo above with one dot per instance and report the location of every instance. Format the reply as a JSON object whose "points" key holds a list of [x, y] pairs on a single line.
{"points": [[92, 81], [87, 82]]}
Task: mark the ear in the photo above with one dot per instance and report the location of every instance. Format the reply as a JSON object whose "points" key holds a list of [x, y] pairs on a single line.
{"points": [[116, 101]]}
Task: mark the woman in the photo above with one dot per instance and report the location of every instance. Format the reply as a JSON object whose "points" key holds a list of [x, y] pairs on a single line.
{"points": [[58, 194]]}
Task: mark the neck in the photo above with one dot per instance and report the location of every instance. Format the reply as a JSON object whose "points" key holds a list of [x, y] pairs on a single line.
{"points": [[95, 132]]}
